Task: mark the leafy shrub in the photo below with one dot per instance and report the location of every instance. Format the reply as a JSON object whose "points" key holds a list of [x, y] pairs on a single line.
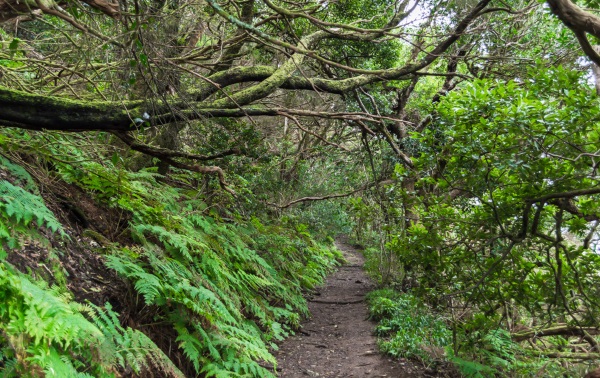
{"points": [[324, 218], [406, 328]]}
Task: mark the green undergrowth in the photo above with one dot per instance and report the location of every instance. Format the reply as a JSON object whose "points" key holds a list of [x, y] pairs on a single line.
{"points": [[228, 290], [22, 210], [46, 334], [407, 328], [43, 331], [228, 302]]}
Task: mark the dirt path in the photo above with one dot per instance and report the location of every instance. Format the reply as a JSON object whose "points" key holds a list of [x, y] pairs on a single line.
{"points": [[338, 340]]}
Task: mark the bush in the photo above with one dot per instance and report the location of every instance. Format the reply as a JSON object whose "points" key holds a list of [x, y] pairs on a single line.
{"points": [[406, 327]]}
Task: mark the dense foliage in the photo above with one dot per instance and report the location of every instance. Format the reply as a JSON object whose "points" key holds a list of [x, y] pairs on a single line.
{"points": [[512, 241], [228, 290], [173, 174]]}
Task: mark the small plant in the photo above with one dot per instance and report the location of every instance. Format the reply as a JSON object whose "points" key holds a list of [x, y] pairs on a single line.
{"points": [[472, 369], [406, 328], [22, 210]]}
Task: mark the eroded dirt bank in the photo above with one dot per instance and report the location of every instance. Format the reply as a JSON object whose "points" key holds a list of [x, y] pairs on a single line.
{"points": [[338, 340]]}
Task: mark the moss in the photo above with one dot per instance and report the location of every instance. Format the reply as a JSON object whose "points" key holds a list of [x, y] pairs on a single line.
{"points": [[99, 238], [270, 84], [36, 111]]}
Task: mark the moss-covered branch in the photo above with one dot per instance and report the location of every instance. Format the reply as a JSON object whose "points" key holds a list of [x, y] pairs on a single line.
{"points": [[561, 330], [40, 112]]}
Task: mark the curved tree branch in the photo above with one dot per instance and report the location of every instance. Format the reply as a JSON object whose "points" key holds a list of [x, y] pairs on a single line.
{"points": [[330, 196], [580, 22], [168, 155]]}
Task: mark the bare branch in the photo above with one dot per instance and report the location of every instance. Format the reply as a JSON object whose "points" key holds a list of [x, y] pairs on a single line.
{"points": [[167, 156], [330, 196], [561, 330]]}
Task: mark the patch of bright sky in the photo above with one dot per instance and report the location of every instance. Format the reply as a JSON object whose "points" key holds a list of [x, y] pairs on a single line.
{"points": [[419, 14]]}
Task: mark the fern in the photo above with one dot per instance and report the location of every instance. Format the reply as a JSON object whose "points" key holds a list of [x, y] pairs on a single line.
{"points": [[173, 242], [228, 290], [61, 338], [218, 282], [499, 348], [193, 346], [18, 210], [128, 347], [472, 369], [22, 177]]}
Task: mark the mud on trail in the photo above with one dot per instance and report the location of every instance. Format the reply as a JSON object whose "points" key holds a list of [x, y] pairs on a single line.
{"points": [[338, 341]]}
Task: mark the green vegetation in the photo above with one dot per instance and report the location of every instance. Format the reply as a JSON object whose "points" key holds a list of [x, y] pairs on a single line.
{"points": [[228, 290], [408, 328], [510, 245], [405, 326], [173, 175], [45, 333]]}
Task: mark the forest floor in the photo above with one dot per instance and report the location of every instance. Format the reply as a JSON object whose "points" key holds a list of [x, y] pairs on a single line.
{"points": [[338, 341]]}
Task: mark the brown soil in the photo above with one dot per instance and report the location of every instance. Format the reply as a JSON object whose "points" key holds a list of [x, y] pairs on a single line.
{"points": [[338, 340]]}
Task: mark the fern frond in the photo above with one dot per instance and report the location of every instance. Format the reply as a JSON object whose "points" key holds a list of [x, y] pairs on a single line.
{"points": [[20, 208], [23, 177]]}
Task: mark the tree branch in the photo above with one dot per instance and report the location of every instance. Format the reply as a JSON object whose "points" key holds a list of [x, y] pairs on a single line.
{"points": [[38, 112], [555, 331], [580, 22], [571, 194], [167, 156], [330, 196]]}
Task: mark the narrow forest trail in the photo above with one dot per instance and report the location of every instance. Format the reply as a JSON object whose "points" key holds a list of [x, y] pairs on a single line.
{"points": [[338, 340]]}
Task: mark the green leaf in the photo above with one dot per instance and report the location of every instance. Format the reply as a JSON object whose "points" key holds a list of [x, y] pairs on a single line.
{"points": [[144, 59], [14, 45]]}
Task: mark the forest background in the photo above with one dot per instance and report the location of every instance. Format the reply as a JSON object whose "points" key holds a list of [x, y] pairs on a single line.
{"points": [[174, 173]]}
